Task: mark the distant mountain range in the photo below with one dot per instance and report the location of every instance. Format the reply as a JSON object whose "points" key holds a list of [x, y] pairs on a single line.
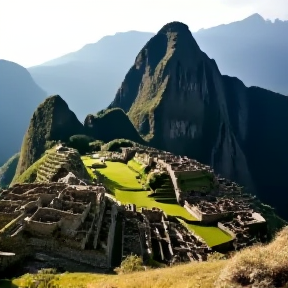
{"points": [[89, 78], [253, 49], [19, 97]]}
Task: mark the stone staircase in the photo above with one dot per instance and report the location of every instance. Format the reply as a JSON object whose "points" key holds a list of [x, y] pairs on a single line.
{"points": [[54, 162]]}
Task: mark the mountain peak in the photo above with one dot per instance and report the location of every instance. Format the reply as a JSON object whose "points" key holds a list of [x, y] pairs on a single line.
{"points": [[174, 26], [52, 121], [255, 17]]}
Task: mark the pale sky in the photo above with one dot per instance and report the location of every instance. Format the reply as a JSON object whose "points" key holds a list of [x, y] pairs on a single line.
{"points": [[35, 31]]}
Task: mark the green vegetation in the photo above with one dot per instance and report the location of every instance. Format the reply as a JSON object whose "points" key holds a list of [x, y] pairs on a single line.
{"points": [[163, 188], [7, 171], [212, 235], [123, 184], [115, 145], [80, 142], [96, 145], [196, 181], [123, 177], [30, 175], [111, 124], [141, 199], [52, 121]]}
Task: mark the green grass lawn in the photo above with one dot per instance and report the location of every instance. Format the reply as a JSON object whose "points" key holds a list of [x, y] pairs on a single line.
{"points": [[212, 235], [141, 199], [121, 174], [124, 181], [136, 166]]}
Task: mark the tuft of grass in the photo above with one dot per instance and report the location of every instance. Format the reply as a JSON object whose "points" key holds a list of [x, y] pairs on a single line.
{"points": [[130, 264], [259, 266]]}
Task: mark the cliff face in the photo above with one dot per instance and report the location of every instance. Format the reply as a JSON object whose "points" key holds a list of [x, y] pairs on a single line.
{"points": [[52, 121], [111, 124], [177, 99]]}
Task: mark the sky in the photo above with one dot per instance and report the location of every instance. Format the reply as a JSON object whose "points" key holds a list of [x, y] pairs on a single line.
{"points": [[35, 31]]}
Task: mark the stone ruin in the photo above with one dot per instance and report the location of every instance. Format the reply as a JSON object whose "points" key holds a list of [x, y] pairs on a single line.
{"points": [[59, 163], [81, 228], [221, 204]]}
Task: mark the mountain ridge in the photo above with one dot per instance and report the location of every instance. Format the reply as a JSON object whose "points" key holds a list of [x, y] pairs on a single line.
{"points": [[16, 86]]}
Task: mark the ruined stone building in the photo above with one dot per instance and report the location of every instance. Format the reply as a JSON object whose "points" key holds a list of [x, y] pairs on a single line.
{"points": [[81, 228]]}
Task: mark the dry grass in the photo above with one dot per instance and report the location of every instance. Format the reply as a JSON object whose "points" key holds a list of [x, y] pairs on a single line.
{"points": [[193, 275], [260, 266], [198, 275]]}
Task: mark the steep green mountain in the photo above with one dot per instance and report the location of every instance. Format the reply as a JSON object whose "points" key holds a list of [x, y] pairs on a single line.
{"points": [[52, 121], [7, 171], [111, 124], [94, 72], [19, 97], [177, 99]]}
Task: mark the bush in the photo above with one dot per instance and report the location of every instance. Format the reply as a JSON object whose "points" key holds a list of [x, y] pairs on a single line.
{"points": [[96, 145], [80, 142], [116, 144], [130, 264], [260, 266], [156, 180]]}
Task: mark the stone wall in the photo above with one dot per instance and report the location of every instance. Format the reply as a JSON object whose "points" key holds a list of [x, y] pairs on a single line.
{"points": [[204, 217], [68, 222], [90, 257], [226, 230]]}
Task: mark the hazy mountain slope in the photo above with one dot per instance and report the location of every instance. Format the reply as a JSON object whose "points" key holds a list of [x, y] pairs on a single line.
{"points": [[7, 171], [89, 78], [177, 99], [253, 50], [19, 97]]}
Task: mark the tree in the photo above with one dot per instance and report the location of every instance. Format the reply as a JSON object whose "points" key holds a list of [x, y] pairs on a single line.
{"points": [[80, 142]]}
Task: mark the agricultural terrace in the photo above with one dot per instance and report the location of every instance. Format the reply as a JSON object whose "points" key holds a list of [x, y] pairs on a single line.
{"points": [[124, 182]]}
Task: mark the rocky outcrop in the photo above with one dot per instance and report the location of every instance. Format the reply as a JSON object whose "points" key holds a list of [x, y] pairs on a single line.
{"points": [[71, 179], [52, 121], [111, 124], [16, 86], [177, 99]]}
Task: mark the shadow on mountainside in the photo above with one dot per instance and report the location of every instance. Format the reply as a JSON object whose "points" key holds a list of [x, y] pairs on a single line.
{"points": [[7, 284]]}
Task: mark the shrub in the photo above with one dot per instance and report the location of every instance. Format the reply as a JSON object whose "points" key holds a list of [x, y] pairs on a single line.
{"points": [[116, 144], [96, 145], [260, 266], [80, 142], [130, 264], [156, 180]]}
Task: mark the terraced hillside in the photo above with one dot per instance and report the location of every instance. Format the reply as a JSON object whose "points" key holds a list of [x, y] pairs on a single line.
{"points": [[59, 163]]}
